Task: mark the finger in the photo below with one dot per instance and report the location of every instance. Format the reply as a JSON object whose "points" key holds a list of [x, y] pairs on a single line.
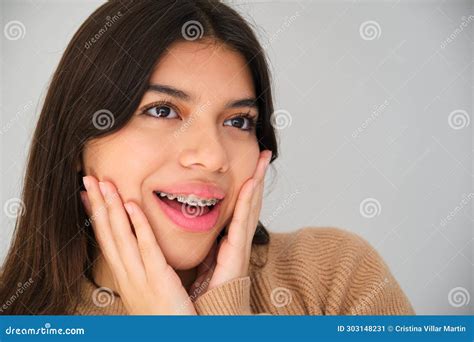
{"points": [[151, 254], [122, 231], [254, 214], [256, 205], [239, 236], [100, 223], [85, 202], [238, 225], [264, 160], [224, 254]]}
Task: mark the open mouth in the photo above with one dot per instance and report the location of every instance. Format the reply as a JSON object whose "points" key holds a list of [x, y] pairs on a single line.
{"points": [[187, 208], [191, 217]]}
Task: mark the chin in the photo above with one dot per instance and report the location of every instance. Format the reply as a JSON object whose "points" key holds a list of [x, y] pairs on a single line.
{"points": [[183, 266], [183, 261], [185, 255], [184, 251]]}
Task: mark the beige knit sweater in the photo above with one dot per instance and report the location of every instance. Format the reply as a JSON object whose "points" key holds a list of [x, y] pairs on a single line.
{"points": [[311, 271]]}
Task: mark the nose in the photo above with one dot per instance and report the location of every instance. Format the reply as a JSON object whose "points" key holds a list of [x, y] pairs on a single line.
{"points": [[202, 148]]}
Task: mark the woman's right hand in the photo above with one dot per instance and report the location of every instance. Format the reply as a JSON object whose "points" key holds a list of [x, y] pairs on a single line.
{"points": [[145, 282]]}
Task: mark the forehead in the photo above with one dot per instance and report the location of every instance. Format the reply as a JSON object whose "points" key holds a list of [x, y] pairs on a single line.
{"points": [[205, 70]]}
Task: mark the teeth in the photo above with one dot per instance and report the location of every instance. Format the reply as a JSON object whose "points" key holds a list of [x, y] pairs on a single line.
{"points": [[191, 200]]}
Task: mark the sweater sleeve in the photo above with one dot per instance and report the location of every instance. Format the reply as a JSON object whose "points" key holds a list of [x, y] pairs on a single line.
{"points": [[368, 286], [229, 298]]}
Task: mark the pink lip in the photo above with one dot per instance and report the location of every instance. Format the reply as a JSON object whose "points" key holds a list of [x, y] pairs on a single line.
{"points": [[189, 222], [204, 190]]}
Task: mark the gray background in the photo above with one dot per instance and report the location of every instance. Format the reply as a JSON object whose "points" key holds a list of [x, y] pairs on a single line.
{"points": [[377, 138]]}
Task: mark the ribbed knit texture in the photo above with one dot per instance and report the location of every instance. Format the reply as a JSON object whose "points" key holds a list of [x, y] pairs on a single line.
{"points": [[311, 271]]}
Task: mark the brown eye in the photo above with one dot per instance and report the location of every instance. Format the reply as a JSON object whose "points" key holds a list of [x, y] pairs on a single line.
{"points": [[242, 122], [162, 111]]}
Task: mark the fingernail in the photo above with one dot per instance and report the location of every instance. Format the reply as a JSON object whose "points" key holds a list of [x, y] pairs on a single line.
{"points": [[85, 180], [129, 208], [103, 188]]}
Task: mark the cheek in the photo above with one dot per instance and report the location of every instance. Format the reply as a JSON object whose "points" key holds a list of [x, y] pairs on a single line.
{"points": [[244, 164], [123, 159]]}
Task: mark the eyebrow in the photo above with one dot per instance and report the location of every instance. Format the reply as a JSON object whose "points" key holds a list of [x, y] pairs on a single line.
{"points": [[168, 90]]}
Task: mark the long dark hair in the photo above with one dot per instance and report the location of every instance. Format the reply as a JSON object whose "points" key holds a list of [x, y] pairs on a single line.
{"points": [[106, 65]]}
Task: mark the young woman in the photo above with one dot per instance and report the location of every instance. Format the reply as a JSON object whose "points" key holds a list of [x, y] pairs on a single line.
{"points": [[144, 182]]}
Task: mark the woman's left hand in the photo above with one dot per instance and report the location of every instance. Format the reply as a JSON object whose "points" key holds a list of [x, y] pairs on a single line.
{"points": [[233, 252]]}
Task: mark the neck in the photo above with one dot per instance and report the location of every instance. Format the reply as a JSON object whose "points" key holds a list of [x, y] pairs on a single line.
{"points": [[102, 275]]}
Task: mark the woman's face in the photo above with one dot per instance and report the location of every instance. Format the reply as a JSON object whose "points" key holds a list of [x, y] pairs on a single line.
{"points": [[198, 135]]}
